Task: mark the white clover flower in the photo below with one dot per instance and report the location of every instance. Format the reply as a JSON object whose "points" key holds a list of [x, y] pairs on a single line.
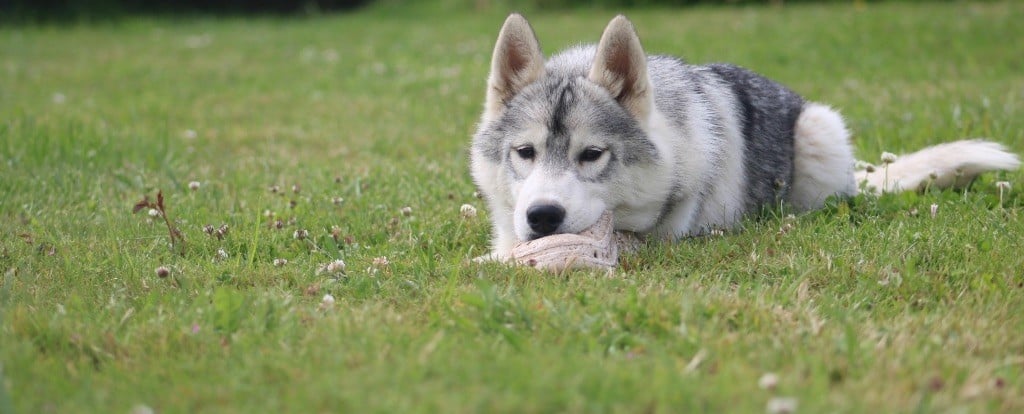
{"points": [[142, 409], [781, 405], [198, 41], [326, 303], [861, 165], [194, 185], [786, 228], [337, 200], [467, 211], [163, 271], [221, 254], [330, 55], [769, 381], [406, 211], [307, 54], [280, 262], [888, 158], [337, 266], [154, 212], [300, 234], [223, 229], [381, 261]]}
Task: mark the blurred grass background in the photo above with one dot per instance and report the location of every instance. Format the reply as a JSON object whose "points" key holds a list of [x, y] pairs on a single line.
{"points": [[334, 122]]}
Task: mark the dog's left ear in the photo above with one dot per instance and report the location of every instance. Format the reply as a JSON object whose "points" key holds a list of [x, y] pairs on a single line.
{"points": [[621, 67]]}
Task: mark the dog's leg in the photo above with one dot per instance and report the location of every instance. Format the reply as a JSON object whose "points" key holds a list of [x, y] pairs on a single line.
{"points": [[503, 237], [681, 221], [823, 159]]}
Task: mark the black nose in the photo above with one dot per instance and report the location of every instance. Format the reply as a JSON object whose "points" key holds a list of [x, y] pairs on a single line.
{"points": [[545, 218]]}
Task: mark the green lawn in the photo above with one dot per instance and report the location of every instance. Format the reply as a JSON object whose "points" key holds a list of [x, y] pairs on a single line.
{"points": [[870, 305]]}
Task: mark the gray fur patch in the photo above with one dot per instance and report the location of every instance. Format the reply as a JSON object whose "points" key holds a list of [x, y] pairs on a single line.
{"points": [[562, 99], [769, 112], [492, 141]]}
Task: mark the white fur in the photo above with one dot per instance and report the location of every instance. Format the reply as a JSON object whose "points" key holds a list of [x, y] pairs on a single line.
{"points": [[823, 159], [953, 164], [723, 205]]}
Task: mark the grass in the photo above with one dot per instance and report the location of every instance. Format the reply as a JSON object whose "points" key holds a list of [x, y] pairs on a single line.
{"points": [[868, 305]]}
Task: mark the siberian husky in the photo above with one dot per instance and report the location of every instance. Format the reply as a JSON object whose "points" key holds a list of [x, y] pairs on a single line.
{"points": [[672, 149]]}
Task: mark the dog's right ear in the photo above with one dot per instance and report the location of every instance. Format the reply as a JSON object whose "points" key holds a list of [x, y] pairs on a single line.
{"points": [[517, 62], [620, 67]]}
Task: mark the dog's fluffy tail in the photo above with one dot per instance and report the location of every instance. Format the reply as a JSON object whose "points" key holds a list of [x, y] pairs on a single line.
{"points": [[952, 164]]}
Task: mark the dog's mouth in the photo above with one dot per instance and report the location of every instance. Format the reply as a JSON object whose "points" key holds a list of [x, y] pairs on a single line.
{"points": [[535, 236]]}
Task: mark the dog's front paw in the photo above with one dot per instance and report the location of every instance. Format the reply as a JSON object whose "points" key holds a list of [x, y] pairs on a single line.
{"points": [[492, 257]]}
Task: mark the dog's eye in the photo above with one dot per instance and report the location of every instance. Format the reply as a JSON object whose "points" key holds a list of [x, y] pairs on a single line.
{"points": [[591, 154], [525, 152]]}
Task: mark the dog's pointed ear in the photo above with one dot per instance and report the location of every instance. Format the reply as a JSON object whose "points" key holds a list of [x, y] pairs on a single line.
{"points": [[517, 62], [620, 67]]}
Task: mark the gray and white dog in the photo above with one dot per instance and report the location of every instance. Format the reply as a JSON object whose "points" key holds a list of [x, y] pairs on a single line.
{"points": [[672, 149]]}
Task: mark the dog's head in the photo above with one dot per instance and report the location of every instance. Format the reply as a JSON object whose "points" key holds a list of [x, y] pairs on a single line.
{"points": [[555, 142]]}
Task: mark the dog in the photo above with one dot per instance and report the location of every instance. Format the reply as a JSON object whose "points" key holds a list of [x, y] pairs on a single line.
{"points": [[672, 149]]}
